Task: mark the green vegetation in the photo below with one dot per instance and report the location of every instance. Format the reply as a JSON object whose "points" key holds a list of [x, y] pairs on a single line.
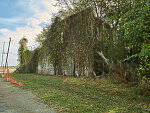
{"points": [[27, 58], [23, 52], [83, 28], [68, 94], [118, 28], [136, 32]]}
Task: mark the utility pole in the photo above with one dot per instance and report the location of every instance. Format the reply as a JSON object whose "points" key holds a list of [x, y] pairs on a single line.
{"points": [[7, 53], [2, 55]]}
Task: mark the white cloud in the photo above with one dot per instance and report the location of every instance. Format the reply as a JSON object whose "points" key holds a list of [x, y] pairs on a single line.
{"points": [[43, 12], [50, 5], [10, 20], [33, 22], [4, 31]]}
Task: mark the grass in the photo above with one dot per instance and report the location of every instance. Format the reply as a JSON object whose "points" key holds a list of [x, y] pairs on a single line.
{"points": [[83, 95]]}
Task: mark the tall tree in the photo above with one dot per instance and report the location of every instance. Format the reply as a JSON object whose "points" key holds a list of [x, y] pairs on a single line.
{"points": [[23, 46]]}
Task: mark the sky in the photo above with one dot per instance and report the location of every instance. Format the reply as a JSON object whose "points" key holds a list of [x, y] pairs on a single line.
{"points": [[19, 18]]}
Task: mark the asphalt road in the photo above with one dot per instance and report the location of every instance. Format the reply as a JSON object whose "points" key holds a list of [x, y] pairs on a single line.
{"points": [[16, 100]]}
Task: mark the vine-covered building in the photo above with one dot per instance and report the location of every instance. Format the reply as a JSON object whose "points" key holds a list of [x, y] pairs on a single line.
{"points": [[71, 46]]}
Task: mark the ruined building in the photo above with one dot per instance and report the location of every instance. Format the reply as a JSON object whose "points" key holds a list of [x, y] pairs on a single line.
{"points": [[72, 45]]}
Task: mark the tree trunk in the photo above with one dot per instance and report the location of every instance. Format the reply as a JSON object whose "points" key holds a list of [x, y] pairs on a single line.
{"points": [[117, 71], [110, 65]]}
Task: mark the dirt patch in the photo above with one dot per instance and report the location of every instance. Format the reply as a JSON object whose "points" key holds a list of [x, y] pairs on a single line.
{"points": [[16, 100]]}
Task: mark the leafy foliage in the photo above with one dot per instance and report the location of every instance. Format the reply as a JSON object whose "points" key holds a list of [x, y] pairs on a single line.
{"points": [[23, 52], [26, 53], [135, 28]]}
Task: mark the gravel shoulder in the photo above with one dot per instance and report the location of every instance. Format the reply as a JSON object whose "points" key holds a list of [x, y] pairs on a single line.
{"points": [[16, 100]]}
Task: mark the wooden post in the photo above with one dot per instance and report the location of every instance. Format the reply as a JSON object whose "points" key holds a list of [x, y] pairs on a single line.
{"points": [[2, 55], [6, 64], [2, 65]]}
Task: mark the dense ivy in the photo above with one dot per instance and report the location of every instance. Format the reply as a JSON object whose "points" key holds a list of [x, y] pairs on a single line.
{"points": [[135, 29]]}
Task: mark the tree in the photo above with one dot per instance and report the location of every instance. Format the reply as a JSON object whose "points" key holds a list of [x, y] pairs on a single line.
{"points": [[135, 26], [23, 51]]}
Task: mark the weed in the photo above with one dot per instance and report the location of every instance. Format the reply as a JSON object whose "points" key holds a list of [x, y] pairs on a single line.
{"points": [[68, 94]]}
